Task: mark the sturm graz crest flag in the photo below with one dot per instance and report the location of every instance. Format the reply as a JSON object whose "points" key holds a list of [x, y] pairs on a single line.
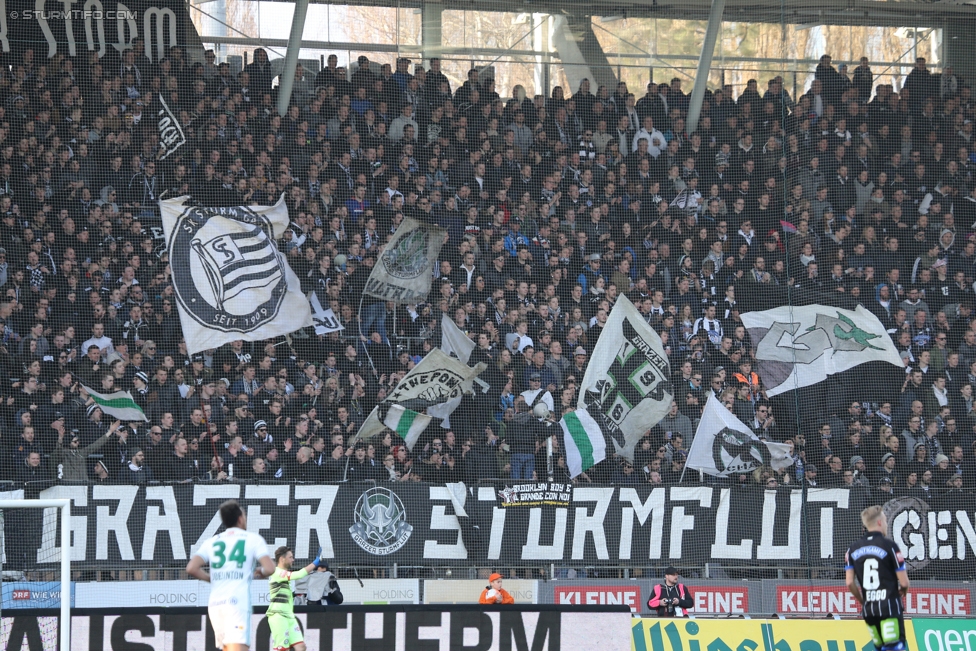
{"points": [[724, 445], [231, 281], [404, 270], [381, 526], [627, 385]]}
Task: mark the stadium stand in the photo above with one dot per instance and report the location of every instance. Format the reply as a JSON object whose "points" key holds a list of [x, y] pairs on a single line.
{"points": [[850, 194]]}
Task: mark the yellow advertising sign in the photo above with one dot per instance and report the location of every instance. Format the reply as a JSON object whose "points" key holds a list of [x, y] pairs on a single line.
{"points": [[752, 635]]}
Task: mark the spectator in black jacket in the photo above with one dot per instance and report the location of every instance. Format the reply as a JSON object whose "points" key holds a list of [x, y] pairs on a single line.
{"points": [[136, 471], [32, 469], [183, 468]]}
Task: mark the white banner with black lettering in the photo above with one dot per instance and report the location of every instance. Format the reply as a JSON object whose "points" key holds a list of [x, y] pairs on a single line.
{"points": [[324, 318], [627, 384], [540, 628]]}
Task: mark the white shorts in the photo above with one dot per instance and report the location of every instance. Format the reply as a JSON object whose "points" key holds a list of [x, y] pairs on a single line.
{"points": [[231, 624]]}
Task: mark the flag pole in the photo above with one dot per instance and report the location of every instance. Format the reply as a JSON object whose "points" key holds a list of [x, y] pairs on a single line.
{"points": [[359, 327], [549, 456], [345, 470]]}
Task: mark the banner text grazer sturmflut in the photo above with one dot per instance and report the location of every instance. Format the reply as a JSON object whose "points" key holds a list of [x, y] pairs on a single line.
{"points": [[603, 525]]}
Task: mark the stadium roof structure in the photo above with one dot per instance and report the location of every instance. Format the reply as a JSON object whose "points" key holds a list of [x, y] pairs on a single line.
{"points": [[897, 13], [572, 28]]}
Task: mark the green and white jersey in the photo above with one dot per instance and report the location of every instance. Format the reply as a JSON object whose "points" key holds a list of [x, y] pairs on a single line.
{"points": [[280, 597], [232, 557]]}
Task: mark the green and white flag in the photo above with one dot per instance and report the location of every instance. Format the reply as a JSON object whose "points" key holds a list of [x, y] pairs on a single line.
{"points": [[583, 440], [437, 379], [118, 405], [627, 384], [408, 424], [802, 345]]}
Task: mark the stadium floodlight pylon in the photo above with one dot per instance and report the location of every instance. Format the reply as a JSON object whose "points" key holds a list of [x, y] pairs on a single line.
{"points": [[64, 505]]}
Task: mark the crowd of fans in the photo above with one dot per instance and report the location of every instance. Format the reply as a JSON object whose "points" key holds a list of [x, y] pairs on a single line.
{"points": [[554, 207]]}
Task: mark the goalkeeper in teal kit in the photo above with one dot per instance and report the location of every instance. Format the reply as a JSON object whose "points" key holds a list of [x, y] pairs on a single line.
{"points": [[285, 631]]}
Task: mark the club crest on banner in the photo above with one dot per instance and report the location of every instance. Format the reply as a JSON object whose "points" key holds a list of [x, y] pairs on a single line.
{"points": [[738, 452], [403, 272], [408, 259], [227, 279], [381, 526]]}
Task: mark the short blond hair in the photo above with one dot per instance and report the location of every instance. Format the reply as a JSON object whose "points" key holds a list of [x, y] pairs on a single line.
{"points": [[870, 515]]}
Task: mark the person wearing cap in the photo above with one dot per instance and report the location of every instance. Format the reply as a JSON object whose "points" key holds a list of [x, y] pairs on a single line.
{"points": [[579, 363], [536, 393], [100, 473], [920, 459], [886, 487], [942, 471], [263, 440], [70, 461], [198, 370], [591, 272], [495, 594], [859, 469], [888, 468], [140, 381], [671, 598]]}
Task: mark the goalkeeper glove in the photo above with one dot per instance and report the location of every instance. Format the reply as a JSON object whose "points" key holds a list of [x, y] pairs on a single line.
{"points": [[318, 559]]}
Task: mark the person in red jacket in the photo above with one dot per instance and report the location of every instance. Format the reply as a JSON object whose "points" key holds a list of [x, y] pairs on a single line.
{"points": [[670, 595]]}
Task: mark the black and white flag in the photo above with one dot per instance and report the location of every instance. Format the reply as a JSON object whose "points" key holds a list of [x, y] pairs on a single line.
{"points": [[171, 136], [681, 200], [324, 318], [724, 445], [453, 342], [231, 280]]}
